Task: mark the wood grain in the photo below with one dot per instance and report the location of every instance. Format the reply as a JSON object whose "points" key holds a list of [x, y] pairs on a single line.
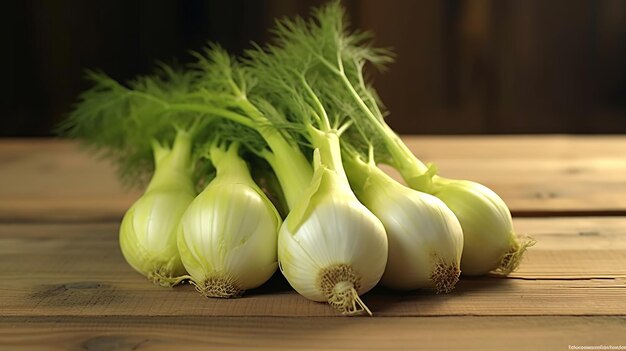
{"points": [[264, 333], [52, 180], [46, 179], [65, 285], [577, 268]]}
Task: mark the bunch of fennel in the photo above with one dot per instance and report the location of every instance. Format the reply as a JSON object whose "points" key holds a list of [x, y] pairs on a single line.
{"points": [[301, 105], [424, 236], [330, 247], [225, 237], [339, 57]]}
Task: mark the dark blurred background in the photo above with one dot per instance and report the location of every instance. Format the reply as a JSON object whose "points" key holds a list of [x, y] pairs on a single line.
{"points": [[463, 67]]}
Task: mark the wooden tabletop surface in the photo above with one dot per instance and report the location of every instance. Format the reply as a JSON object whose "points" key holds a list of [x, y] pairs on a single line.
{"points": [[65, 286]]}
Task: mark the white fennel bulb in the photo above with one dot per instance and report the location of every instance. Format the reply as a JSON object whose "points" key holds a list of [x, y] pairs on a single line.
{"points": [[332, 248], [490, 242], [149, 227], [227, 236], [425, 237]]}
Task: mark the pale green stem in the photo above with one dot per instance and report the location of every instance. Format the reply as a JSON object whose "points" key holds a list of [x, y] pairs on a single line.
{"points": [[229, 165], [197, 108], [329, 148], [293, 170], [318, 104], [233, 116], [358, 173], [403, 159], [363, 175], [173, 167], [291, 167]]}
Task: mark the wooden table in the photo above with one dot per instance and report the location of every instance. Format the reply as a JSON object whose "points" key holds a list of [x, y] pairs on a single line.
{"points": [[65, 286]]}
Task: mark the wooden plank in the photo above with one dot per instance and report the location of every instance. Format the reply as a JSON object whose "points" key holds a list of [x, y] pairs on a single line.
{"points": [[48, 179], [574, 248], [264, 333], [577, 268], [51, 180], [106, 295]]}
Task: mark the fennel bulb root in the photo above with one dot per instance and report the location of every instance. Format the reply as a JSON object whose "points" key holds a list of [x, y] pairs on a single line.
{"points": [[340, 284]]}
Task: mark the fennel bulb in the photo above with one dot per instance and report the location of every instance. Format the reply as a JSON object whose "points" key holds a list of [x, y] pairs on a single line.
{"points": [[227, 236], [149, 227], [490, 241], [425, 237], [332, 248]]}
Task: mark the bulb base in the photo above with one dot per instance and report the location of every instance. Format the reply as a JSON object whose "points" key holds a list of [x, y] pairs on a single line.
{"points": [[340, 284], [511, 260], [219, 287], [445, 276], [163, 276]]}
